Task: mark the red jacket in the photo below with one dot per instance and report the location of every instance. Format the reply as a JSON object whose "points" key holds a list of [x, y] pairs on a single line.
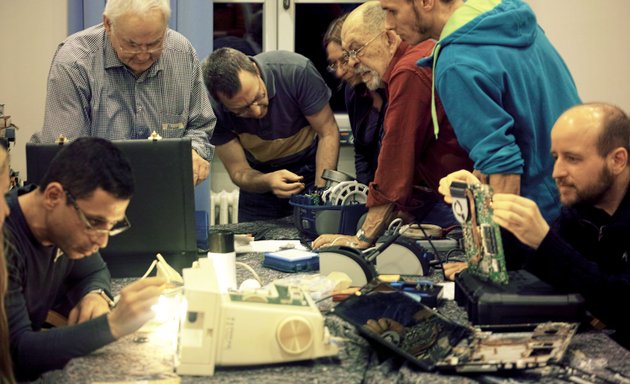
{"points": [[410, 155]]}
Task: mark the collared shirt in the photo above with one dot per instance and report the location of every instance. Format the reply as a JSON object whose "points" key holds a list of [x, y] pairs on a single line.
{"points": [[92, 93], [411, 158]]}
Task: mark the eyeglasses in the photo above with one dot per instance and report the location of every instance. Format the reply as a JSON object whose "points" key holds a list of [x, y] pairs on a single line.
{"points": [[99, 226], [133, 49], [354, 54], [244, 111], [332, 67], [146, 49]]}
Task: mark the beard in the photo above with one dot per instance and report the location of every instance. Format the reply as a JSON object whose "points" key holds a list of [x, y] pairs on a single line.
{"points": [[590, 194], [374, 82], [420, 28]]}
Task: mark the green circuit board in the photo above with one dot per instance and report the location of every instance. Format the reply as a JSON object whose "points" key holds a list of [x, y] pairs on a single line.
{"points": [[482, 238], [276, 294]]}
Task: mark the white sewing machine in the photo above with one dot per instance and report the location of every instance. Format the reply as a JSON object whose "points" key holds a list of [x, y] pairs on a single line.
{"points": [[248, 327]]}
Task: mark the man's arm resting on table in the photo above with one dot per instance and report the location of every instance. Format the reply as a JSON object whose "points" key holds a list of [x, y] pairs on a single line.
{"points": [[87, 276], [377, 219], [35, 352], [323, 122], [282, 183], [92, 305]]}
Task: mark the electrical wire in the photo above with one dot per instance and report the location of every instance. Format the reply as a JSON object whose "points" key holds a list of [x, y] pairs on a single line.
{"points": [[395, 225], [251, 270], [448, 254], [428, 238], [150, 269]]}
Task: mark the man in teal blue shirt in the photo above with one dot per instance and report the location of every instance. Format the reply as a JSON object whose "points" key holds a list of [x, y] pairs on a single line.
{"points": [[502, 84]]}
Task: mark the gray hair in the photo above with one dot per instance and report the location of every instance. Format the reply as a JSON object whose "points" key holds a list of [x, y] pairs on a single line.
{"points": [[116, 8], [374, 15], [368, 18]]}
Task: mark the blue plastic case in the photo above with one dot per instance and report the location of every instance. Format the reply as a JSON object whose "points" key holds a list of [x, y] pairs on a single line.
{"points": [[291, 260]]}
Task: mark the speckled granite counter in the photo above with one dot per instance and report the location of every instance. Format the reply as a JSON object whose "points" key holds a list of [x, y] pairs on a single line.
{"points": [[145, 356]]}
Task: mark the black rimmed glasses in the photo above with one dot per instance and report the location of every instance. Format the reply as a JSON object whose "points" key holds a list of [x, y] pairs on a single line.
{"points": [[354, 53], [99, 226]]}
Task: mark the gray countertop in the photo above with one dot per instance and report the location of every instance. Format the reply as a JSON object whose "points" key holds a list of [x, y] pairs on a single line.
{"points": [[144, 357]]}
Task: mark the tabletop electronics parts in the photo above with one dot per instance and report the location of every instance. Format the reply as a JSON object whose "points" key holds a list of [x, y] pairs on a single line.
{"points": [[472, 207], [246, 327], [397, 322]]}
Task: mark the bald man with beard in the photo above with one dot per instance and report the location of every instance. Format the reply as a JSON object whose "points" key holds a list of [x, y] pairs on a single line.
{"points": [[586, 249]]}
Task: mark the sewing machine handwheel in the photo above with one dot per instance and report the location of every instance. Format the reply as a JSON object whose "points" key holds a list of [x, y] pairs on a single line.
{"points": [[347, 260], [294, 335]]}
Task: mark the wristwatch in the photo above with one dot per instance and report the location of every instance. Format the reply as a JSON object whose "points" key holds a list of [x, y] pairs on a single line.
{"points": [[101, 292], [361, 236]]}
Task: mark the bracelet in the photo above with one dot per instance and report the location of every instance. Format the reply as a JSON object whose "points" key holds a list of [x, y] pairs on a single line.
{"points": [[101, 292], [362, 237]]}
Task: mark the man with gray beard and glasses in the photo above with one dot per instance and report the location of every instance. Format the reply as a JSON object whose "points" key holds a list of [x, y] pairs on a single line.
{"points": [[413, 156]]}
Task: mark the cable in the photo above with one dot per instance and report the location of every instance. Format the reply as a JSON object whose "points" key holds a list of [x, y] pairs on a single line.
{"points": [[428, 238], [150, 269], [396, 224], [324, 298], [448, 254], [450, 229], [251, 270]]}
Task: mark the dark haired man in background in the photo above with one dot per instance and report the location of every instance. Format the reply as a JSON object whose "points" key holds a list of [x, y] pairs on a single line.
{"points": [[276, 132]]}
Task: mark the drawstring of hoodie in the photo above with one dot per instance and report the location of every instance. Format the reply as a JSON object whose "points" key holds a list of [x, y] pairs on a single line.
{"points": [[436, 125], [467, 12]]}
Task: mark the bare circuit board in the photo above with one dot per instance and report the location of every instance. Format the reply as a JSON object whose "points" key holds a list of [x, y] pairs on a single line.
{"points": [[482, 239]]}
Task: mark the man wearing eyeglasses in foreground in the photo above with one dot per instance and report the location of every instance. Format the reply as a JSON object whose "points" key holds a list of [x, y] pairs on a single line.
{"points": [[276, 132], [413, 157], [55, 231], [127, 77]]}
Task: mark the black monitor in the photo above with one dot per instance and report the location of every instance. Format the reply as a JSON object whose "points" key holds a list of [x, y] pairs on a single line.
{"points": [[161, 212]]}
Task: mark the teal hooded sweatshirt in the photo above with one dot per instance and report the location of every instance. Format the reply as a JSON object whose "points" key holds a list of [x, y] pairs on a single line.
{"points": [[503, 85]]}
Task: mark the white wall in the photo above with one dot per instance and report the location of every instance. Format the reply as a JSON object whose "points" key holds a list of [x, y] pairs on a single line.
{"points": [[592, 37], [29, 33], [589, 35]]}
